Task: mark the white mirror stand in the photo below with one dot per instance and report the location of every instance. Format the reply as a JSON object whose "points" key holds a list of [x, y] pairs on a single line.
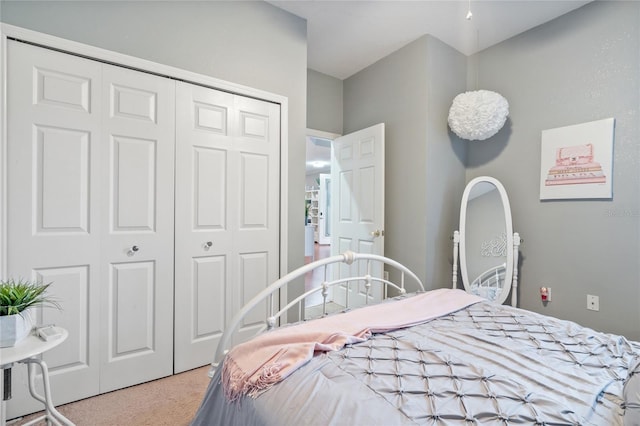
{"points": [[486, 242]]}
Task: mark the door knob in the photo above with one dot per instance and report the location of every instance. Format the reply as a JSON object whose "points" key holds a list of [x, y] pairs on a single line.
{"points": [[133, 250], [377, 233], [208, 245]]}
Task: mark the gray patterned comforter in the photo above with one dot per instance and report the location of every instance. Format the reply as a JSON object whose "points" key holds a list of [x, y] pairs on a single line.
{"points": [[483, 365]]}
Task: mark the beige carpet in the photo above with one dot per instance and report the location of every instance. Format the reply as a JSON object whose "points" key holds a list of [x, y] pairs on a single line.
{"points": [[169, 401]]}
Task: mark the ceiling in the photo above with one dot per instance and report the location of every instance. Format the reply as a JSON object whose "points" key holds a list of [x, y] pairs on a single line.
{"points": [[344, 37]]}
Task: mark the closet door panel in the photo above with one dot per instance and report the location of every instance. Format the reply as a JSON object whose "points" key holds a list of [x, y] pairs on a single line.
{"points": [[61, 198], [138, 131], [210, 186], [133, 172], [204, 234], [208, 317], [256, 138], [227, 160], [53, 234], [252, 277], [131, 325], [254, 191], [73, 289]]}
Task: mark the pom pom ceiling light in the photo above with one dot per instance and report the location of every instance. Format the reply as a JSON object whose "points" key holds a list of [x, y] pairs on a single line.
{"points": [[478, 115]]}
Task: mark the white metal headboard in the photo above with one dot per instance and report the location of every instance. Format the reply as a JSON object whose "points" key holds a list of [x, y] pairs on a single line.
{"points": [[270, 294]]}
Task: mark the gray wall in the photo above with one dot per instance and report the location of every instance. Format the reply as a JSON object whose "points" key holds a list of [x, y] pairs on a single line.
{"points": [[581, 67], [249, 43], [446, 157], [410, 91], [324, 102]]}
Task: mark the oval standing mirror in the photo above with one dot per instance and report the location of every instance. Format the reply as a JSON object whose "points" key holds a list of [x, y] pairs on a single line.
{"points": [[487, 245]]}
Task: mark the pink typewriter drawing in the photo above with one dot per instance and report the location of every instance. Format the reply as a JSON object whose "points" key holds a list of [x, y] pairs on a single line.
{"points": [[574, 165]]}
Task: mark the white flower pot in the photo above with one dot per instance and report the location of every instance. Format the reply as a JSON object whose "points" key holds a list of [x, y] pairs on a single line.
{"points": [[14, 328]]}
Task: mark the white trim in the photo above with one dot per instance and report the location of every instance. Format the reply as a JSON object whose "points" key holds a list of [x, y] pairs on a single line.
{"points": [[3, 155], [284, 197], [122, 59], [92, 52], [322, 134]]}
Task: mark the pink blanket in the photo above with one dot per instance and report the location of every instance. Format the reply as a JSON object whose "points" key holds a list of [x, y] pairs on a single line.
{"points": [[258, 364]]}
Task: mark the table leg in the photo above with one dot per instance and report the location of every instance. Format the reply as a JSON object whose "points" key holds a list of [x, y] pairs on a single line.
{"points": [[51, 413], [5, 394], [3, 404]]}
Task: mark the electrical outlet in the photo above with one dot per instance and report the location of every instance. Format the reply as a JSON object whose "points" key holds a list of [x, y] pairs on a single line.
{"points": [[593, 302], [545, 294]]}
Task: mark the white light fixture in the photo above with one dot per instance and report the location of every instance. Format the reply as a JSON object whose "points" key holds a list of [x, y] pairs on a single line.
{"points": [[478, 115], [318, 164]]}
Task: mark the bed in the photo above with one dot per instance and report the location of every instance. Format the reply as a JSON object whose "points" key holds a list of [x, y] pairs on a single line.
{"points": [[464, 360], [490, 282]]}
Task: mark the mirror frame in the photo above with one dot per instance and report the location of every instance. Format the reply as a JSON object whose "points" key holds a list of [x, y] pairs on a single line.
{"points": [[509, 272]]}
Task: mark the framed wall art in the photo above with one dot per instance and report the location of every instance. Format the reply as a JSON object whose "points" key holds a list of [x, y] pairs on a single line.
{"points": [[577, 161]]}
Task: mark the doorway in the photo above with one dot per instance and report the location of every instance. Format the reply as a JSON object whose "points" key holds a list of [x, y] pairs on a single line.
{"points": [[317, 188], [317, 232], [356, 182]]}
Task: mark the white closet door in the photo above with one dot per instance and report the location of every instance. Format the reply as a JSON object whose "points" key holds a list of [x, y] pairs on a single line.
{"points": [[255, 211], [227, 214], [54, 213], [91, 159], [90, 175], [136, 295]]}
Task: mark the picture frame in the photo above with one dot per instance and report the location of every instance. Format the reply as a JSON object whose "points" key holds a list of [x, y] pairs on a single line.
{"points": [[576, 161]]}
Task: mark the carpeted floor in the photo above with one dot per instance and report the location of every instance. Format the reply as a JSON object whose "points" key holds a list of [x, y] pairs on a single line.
{"points": [[169, 401]]}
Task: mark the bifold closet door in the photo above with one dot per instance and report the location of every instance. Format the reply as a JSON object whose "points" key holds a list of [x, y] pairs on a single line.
{"points": [[53, 216], [227, 214], [136, 286], [90, 176]]}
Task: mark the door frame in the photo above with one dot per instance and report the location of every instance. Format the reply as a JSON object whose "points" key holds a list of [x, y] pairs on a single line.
{"points": [[323, 197], [45, 40]]}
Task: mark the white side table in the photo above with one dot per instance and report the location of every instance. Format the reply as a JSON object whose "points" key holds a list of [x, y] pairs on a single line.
{"points": [[27, 352]]}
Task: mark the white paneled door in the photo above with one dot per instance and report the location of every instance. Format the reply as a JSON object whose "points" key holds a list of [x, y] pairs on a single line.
{"points": [[152, 206], [357, 210], [227, 213], [137, 169], [90, 209], [53, 233]]}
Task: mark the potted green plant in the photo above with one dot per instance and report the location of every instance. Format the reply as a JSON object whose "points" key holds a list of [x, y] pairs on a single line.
{"points": [[16, 297]]}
